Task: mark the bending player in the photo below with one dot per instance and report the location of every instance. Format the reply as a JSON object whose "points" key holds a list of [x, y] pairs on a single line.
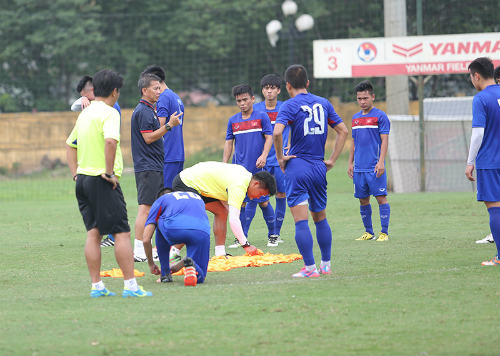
{"points": [[305, 168], [179, 218], [370, 137]]}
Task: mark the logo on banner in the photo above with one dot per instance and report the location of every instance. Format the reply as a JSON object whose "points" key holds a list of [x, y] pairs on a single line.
{"points": [[407, 52], [367, 52]]}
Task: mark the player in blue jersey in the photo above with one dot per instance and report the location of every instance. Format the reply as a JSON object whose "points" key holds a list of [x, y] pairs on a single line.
{"points": [[271, 87], [179, 217], [173, 146], [370, 137], [485, 144], [85, 88], [250, 132], [305, 168]]}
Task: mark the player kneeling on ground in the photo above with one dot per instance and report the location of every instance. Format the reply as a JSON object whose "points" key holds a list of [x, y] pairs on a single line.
{"points": [[179, 218]]}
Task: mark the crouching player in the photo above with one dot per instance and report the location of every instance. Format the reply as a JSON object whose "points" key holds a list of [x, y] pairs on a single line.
{"points": [[179, 218]]}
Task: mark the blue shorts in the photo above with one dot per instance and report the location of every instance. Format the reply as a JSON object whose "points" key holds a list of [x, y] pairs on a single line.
{"points": [[170, 170], [488, 184], [306, 180], [279, 176], [367, 183]]}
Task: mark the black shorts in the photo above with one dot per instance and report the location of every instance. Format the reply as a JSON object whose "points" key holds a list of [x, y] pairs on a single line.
{"points": [[148, 184], [179, 186], [101, 206]]}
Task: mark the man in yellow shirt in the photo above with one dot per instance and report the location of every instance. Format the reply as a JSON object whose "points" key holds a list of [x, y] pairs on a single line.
{"points": [[223, 188], [91, 150]]}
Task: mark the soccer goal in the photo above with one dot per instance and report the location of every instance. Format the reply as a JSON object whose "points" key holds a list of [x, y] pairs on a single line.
{"points": [[447, 123]]}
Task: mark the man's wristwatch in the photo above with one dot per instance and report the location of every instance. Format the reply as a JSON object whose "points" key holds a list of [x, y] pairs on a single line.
{"points": [[109, 175], [247, 244], [168, 127]]}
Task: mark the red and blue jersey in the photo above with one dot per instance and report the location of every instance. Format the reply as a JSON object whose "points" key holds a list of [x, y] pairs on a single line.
{"points": [[179, 210], [273, 113], [146, 157], [308, 116], [486, 113], [248, 135], [366, 131], [173, 143]]}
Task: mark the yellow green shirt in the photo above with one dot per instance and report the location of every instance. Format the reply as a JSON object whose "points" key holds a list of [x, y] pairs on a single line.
{"points": [[94, 124], [222, 181]]}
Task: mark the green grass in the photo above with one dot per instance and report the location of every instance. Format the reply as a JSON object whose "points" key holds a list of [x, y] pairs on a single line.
{"points": [[421, 293]]}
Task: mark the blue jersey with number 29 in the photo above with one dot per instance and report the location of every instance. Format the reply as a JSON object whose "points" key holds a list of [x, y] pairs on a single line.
{"points": [[179, 210], [308, 116]]}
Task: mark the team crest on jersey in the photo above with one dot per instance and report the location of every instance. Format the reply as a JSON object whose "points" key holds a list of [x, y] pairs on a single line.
{"points": [[367, 52]]}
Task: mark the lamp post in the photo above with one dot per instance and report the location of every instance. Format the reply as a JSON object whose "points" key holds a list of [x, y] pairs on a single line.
{"points": [[302, 23]]}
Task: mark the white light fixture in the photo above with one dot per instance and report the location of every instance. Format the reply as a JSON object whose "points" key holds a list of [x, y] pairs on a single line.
{"points": [[304, 22], [272, 29], [289, 7]]}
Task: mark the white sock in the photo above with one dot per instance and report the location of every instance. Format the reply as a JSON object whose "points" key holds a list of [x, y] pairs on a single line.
{"points": [[99, 285], [139, 248], [310, 268], [174, 251], [130, 284], [220, 250], [325, 263]]}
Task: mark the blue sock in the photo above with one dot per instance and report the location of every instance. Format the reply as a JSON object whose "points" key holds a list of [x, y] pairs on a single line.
{"points": [[249, 214], [495, 226], [268, 214], [279, 214], [385, 215], [304, 240], [366, 216], [324, 237]]}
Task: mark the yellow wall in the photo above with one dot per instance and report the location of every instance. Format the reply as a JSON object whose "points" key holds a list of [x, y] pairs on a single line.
{"points": [[27, 139]]}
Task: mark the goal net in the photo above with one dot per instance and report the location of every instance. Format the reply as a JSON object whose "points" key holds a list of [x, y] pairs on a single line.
{"points": [[447, 128]]}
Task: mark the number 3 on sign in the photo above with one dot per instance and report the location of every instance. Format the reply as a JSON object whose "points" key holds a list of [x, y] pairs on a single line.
{"points": [[332, 63]]}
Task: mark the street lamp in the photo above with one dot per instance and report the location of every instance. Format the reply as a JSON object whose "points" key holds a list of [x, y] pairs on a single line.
{"points": [[303, 23]]}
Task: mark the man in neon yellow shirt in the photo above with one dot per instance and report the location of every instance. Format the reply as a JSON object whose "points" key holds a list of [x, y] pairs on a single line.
{"points": [[223, 188], [91, 150]]}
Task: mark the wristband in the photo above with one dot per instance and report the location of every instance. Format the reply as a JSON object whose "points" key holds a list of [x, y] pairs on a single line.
{"points": [[74, 177], [109, 175]]}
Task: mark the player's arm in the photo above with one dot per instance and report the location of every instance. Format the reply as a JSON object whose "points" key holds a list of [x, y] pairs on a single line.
{"points": [[228, 150], [278, 145], [380, 166], [148, 247], [261, 161], [341, 131], [475, 143], [350, 168], [72, 158], [173, 121], [152, 136], [110, 145], [237, 229]]}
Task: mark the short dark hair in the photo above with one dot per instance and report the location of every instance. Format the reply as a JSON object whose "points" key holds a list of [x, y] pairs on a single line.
{"points": [[483, 66], [242, 89], [365, 85], [81, 84], [296, 75], [271, 80], [146, 79], [163, 191], [156, 70], [496, 75], [105, 81], [266, 181]]}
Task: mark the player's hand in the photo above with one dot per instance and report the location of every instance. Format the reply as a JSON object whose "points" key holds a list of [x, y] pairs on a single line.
{"points": [[283, 161], [379, 169], [85, 102], [113, 180], [154, 269], [174, 119], [286, 149], [469, 170], [350, 170], [251, 250], [329, 164], [261, 161]]}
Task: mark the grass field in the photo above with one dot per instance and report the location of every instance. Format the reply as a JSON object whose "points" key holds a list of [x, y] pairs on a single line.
{"points": [[423, 292]]}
